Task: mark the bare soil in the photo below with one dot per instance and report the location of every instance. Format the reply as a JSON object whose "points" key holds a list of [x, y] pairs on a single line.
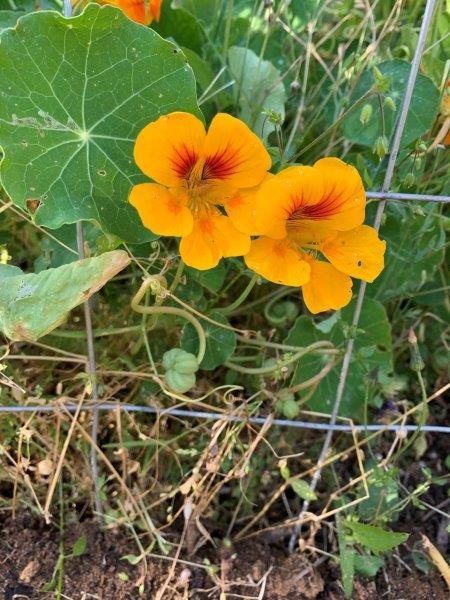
{"points": [[29, 550]]}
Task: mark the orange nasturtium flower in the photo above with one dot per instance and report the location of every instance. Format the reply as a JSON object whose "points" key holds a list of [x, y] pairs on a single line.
{"points": [[141, 11], [196, 172], [311, 220]]}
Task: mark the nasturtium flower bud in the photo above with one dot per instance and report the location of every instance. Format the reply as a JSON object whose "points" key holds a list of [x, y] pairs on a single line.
{"points": [[409, 180], [381, 146], [390, 103], [382, 83], [416, 362], [366, 113]]}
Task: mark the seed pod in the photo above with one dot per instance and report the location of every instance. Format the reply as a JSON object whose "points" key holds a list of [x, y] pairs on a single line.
{"points": [[409, 180], [390, 103], [366, 113], [381, 146]]}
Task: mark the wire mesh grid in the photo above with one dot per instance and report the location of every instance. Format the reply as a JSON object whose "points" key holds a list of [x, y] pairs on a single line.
{"points": [[384, 195]]}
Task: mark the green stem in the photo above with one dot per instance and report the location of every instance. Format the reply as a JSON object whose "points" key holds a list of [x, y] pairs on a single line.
{"points": [[227, 310], [155, 283], [177, 278], [226, 41], [271, 368], [383, 122], [334, 125]]}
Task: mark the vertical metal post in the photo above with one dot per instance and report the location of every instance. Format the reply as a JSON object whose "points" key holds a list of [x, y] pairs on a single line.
{"points": [[91, 370], [91, 366], [395, 146]]}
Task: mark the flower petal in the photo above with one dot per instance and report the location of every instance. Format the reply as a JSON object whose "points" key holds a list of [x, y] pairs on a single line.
{"points": [[277, 262], [359, 252], [233, 153], [281, 201], [211, 239], [241, 209], [160, 210], [327, 288], [344, 200], [167, 149], [231, 241]]}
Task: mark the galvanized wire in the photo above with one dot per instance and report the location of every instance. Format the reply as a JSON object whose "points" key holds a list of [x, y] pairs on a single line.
{"points": [[211, 416], [393, 154], [405, 197]]}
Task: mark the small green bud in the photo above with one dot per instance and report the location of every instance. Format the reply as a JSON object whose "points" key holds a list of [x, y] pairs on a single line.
{"points": [[366, 113], [416, 362], [409, 180], [390, 103], [378, 75], [273, 116], [381, 146], [382, 83], [417, 163]]}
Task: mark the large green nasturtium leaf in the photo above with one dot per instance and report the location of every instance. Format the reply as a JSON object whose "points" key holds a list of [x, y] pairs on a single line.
{"points": [[371, 359], [32, 305], [74, 94], [421, 114]]}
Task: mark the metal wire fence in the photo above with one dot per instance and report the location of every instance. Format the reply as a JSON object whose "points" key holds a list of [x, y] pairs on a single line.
{"points": [[384, 195]]}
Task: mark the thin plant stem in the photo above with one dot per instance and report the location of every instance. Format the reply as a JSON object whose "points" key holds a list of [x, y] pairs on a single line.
{"points": [[227, 310], [169, 310]]}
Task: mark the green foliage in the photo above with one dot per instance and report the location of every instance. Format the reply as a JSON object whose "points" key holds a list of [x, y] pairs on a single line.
{"points": [[182, 26], [8, 18], [372, 355], [25, 310], [367, 565], [220, 342], [69, 126], [302, 489], [383, 496], [259, 90], [374, 538], [421, 115], [415, 247], [79, 546]]}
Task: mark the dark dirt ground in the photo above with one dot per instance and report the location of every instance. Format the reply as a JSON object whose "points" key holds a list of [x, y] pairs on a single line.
{"points": [[29, 550]]}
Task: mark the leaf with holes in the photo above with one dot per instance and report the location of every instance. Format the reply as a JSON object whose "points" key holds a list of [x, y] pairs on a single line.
{"points": [[32, 305], [74, 94]]}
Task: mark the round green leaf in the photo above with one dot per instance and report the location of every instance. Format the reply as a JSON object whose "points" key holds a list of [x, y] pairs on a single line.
{"points": [[74, 94], [220, 343], [422, 111]]}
